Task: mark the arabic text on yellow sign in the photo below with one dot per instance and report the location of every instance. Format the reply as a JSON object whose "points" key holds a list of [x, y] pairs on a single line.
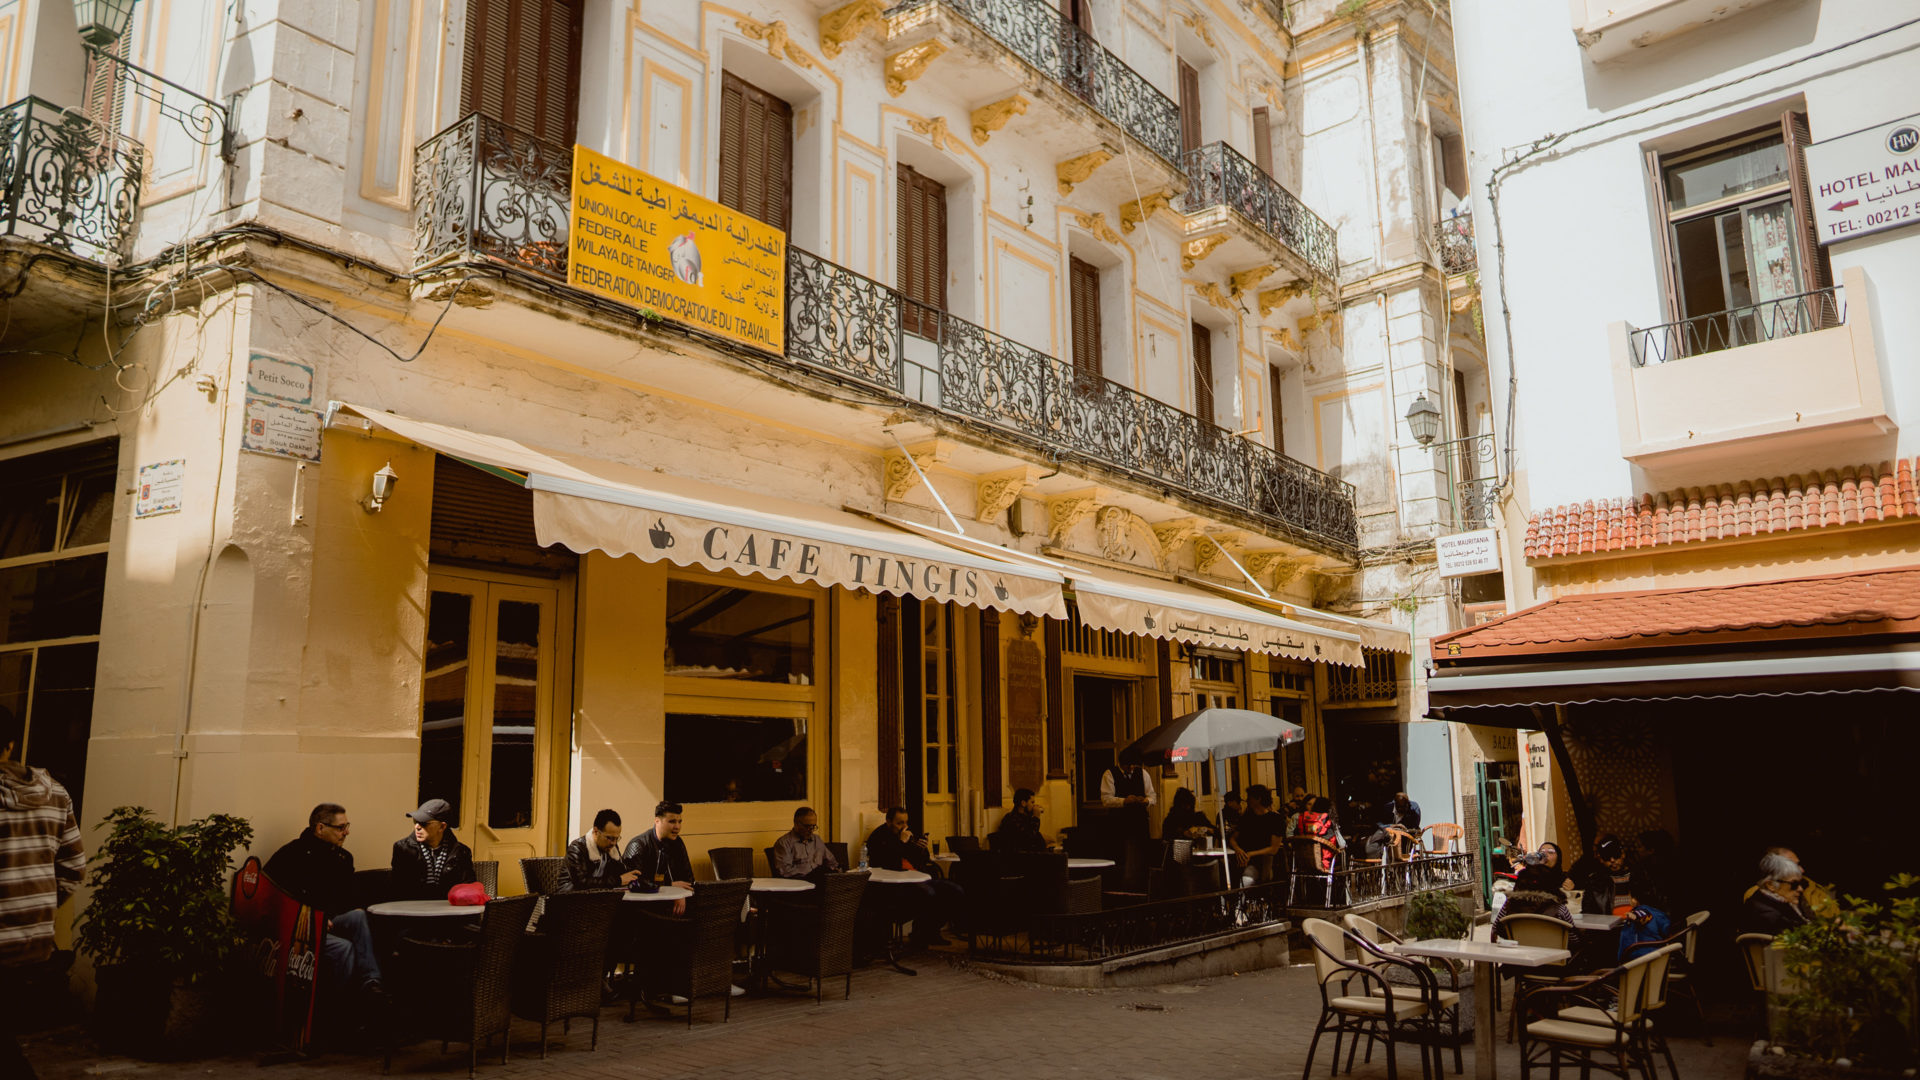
{"points": [[654, 246]]}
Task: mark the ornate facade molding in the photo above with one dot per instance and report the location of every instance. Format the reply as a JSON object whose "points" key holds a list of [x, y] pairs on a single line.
{"points": [[900, 475], [910, 63], [996, 492], [1247, 279], [1195, 250], [1139, 210], [1169, 535], [988, 119], [1076, 170], [1198, 24], [1210, 292], [1283, 567], [1066, 511], [1272, 300], [1113, 523], [843, 25], [1206, 555], [1096, 223], [780, 44], [936, 132]]}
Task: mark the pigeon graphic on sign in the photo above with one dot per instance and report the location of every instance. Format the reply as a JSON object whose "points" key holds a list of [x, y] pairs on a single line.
{"points": [[684, 253]]}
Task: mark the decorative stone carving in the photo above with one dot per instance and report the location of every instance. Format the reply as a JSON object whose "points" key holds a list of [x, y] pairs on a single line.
{"points": [[1200, 29], [910, 63], [900, 475], [1247, 279], [1113, 524], [1096, 223], [1207, 548], [1278, 563], [1193, 251], [936, 132], [780, 44], [1284, 338], [1066, 511], [988, 119], [843, 25], [1210, 292], [1076, 170], [1169, 535], [995, 493], [1139, 210], [1327, 320], [1272, 300]]}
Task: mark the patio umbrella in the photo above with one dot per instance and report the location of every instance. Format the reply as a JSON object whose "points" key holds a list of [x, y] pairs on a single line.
{"points": [[1217, 734]]}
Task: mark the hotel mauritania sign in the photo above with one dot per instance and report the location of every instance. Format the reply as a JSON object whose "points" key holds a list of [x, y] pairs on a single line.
{"points": [[640, 241]]}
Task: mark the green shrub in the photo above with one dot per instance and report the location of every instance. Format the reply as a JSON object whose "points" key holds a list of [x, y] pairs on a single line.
{"points": [[1850, 979], [160, 895], [1436, 914]]}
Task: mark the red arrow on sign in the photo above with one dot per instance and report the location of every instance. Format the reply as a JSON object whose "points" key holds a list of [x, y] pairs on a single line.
{"points": [[1844, 205]]}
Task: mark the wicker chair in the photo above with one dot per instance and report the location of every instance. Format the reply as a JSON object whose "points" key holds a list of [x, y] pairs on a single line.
{"points": [[816, 938], [557, 970], [487, 873], [545, 876], [1049, 889], [691, 955], [732, 862], [1304, 857], [839, 849], [1380, 1011], [963, 845], [991, 891], [1446, 1001], [472, 977], [372, 887], [1583, 1021]]}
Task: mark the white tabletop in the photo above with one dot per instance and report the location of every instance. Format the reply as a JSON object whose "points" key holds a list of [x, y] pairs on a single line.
{"points": [[946, 856], [425, 909], [780, 884], [1598, 922], [1483, 952], [1089, 864], [665, 892], [882, 876], [1218, 853]]}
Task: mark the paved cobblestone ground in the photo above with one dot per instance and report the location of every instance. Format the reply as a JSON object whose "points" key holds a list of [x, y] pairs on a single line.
{"points": [[948, 1022]]}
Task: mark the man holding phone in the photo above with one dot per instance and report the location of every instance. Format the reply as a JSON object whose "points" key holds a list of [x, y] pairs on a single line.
{"points": [[893, 846]]}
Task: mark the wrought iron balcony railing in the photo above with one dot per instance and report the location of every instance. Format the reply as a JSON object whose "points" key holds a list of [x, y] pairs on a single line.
{"points": [[70, 183], [1453, 244], [1801, 313], [1218, 175], [484, 192], [1034, 31]]}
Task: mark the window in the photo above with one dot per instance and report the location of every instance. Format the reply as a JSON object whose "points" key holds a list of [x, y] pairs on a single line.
{"points": [[714, 757], [1450, 174], [920, 224], [1203, 373], [56, 515], [1103, 718], [522, 65], [756, 152], [1263, 140], [1079, 13], [1189, 107], [1378, 680], [726, 632], [1738, 244], [939, 703], [1083, 281]]}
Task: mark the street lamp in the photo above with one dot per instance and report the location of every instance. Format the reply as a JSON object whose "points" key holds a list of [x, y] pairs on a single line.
{"points": [[102, 22], [1423, 417]]}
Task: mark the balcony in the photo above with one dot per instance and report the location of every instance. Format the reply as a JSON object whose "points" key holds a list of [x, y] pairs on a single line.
{"points": [[1453, 245], [70, 184], [1449, 487], [1080, 94], [486, 195], [1264, 223], [1614, 29], [1761, 386]]}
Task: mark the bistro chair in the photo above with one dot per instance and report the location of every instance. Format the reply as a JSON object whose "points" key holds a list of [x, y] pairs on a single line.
{"points": [[1446, 999], [991, 892], [816, 938], [732, 862], [1540, 932], [1584, 1021], [1753, 950], [372, 887], [558, 969], [1376, 1009], [466, 983], [1655, 990], [691, 955], [839, 849], [1305, 854], [963, 845], [1679, 967], [487, 873], [546, 875]]}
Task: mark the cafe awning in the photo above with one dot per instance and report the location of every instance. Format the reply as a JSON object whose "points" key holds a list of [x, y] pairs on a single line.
{"points": [[1133, 604], [591, 505], [1373, 635]]}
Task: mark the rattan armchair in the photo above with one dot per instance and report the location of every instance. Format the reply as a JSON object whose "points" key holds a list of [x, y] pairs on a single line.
{"points": [[557, 971], [1586, 1021], [816, 938], [732, 862], [691, 956], [1376, 1010], [468, 981], [1049, 889], [1311, 858], [992, 894], [545, 876], [963, 845]]}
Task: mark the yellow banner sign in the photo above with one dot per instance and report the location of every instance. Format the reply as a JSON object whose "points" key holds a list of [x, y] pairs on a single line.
{"points": [[656, 247]]}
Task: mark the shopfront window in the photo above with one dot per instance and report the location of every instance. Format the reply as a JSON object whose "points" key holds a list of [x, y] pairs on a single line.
{"points": [[722, 757], [728, 632]]}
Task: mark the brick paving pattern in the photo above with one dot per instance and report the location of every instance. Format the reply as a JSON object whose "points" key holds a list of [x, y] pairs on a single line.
{"points": [[950, 1021]]}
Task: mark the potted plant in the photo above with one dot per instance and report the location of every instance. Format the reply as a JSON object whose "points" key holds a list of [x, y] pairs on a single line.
{"points": [[1436, 913], [159, 926]]}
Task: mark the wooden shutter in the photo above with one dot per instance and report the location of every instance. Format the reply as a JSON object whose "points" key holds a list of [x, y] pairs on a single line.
{"points": [[920, 225], [1816, 270], [479, 518], [522, 65], [1274, 379], [1663, 242], [756, 151], [1262, 141], [1056, 705], [1083, 280], [1203, 373], [1189, 107], [887, 646], [1079, 13]]}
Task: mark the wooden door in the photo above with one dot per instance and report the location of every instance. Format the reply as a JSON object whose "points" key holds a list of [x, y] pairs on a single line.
{"points": [[1203, 374]]}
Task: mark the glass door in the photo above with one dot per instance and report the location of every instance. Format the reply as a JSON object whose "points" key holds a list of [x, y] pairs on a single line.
{"points": [[487, 729]]}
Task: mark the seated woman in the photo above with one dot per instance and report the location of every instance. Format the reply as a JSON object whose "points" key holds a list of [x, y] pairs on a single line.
{"points": [[1537, 892], [1317, 821], [1184, 821]]}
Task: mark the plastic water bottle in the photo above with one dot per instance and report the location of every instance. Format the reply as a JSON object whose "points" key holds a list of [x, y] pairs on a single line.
{"points": [[863, 856]]}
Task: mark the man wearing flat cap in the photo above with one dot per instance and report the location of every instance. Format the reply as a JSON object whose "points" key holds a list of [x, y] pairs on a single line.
{"points": [[432, 860]]}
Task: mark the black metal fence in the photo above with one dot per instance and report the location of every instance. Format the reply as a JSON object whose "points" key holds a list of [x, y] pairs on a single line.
{"points": [[1379, 881], [1801, 313], [70, 183], [1453, 244], [1034, 31], [481, 188], [1218, 175]]}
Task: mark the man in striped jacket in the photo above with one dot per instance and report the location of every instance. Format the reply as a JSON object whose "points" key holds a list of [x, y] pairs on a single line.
{"points": [[41, 863]]}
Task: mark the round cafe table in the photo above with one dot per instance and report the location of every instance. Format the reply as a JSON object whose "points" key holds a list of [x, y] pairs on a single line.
{"points": [[426, 909], [762, 972], [1089, 864], [664, 892], [882, 876], [779, 884]]}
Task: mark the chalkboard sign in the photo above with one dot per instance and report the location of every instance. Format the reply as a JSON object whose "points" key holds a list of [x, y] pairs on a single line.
{"points": [[1026, 715]]}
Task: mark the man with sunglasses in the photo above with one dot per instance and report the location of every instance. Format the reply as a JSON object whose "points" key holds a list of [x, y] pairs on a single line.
{"points": [[316, 869], [1774, 907]]}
